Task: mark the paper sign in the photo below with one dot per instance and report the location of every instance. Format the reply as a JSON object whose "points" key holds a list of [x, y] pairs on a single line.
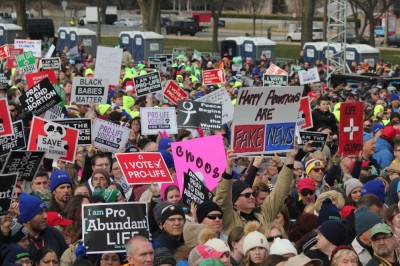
{"points": [[318, 139], [275, 80], [311, 75], [4, 51], [174, 92], [50, 51], [197, 55], [153, 120], [157, 62], [84, 125], [106, 227], [194, 190], [147, 83], [169, 58], [51, 63], [351, 128], [108, 64], [11, 61], [194, 114], [89, 90], [25, 163], [144, 168], [6, 128], [34, 78], [304, 116], [275, 70], [54, 113], [4, 78], [220, 96], [33, 46], [214, 76], [26, 62], [14, 142], [109, 136], [193, 154], [7, 186]]}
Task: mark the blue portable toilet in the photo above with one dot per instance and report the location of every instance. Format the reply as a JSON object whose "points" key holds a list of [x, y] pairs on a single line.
{"points": [[63, 38], [334, 49], [8, 33], [85, 36], [248, 49], [238, 41], [229, 47], [264, 46], [126, 38], [147, 44], [360, 52], [313, 51]]}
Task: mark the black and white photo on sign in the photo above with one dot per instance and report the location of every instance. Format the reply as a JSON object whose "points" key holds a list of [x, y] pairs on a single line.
{"points": [[15, 141], [87, 90], [147, 83], [308, 76], [109, 136], [25, 163], [193, 114], [154, 120], [84, 125]]}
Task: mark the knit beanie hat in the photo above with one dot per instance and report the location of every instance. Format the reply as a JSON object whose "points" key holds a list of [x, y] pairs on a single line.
{"points": [[57, 178], [163, 256], [157, 210], [375, 187], [18, 232], [375, 128], [103, 172], [311, 164], [253, 240], [351, 184], [211, 262], [13, 252], [205, 208], [103, 108], [365, 219], [109, 195], [168, 159], [237, 188], [334, 231], [282, 247], [191, 232], [29, 206], [218, 245], [164, 144], [328, 212], [171, 210]]}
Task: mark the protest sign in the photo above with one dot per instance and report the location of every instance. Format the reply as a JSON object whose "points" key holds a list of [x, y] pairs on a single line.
{"points": [[4, 51], [144, 168], [157, 62], [34, 46], [14, 142], [275, 70], [214, 76], [169, 58], [178, 51], [34, 78], [275, 80], [6, 128], [194, 114], [48, 50], [265, 119], [51, 63], [12, 61], [84, 125], [58, 141], [54, 113], [308, 76], [106, 227], [196, 55], [89, 90], [304, 116], [108, 64], [318, 139], [208, 166], [25, 163], [194, 190], [5, 78], [351, 128], [7, 186], [109, 136], [174, 92], [40, 98], [220, 96], [147, 83], [153, 120], [26, 62]]}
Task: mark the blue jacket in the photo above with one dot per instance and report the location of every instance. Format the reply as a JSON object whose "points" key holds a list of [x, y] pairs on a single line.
{"points": [[383, 153]]}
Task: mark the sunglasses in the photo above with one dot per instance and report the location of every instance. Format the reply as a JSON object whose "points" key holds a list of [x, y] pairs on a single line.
{"points": [[214, 216], [272, 238], [319, 170], [248, 195], [367, 125], [306, 193]]}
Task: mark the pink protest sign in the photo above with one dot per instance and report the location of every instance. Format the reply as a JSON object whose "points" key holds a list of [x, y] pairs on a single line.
{"points": [[206, 157]]}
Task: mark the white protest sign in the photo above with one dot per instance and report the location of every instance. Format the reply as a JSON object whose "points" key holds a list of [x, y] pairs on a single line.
{"points": [[89, 90], [30, 45], [154, 120], [311, 75], [54, 113], [108, 63], [220, 96], [109, 136]]}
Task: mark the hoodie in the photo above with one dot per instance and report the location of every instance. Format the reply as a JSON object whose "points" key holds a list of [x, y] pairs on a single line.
{"points": [[383, 153]]}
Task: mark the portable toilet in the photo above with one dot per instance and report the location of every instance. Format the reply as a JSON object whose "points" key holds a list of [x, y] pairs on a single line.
{"points": [[360, 52], [334, 49], [9, 32], [313, 51], [63, 38], [147, 43], [126, 39], [265, 46], [232, 46], [85, 36]]}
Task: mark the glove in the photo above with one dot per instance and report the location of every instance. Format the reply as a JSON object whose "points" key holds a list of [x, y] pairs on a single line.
{"points": [[80, 251]]}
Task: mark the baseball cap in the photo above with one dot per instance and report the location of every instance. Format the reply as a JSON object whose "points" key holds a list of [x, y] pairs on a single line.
{"points": [[202, 252], [54, 219], [380, 228], [305, 183]]}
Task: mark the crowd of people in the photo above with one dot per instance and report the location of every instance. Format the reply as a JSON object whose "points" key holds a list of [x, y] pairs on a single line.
{"points": [[311, 207]]}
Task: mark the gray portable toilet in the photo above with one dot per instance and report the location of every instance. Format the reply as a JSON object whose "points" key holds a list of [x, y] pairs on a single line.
{"points": [[265, 46], [229, 42], [313, 51], [359, 52], [63, 38], [8, 32], [147, 43], [334, 49], [126, 38], [85, 36]]}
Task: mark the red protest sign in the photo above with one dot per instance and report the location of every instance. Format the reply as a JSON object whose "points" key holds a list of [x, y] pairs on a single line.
{"points": [[274, 69], [174, 92], [4, 51], [6, 127], [144, 167], [213, 76], [304, 117], [34, 78], [11, 61], [351, 128]]}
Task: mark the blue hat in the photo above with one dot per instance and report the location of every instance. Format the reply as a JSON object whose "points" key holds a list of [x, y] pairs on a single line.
{"points": [[168, 159], [375, 187], [29, 206], [57, 178], [328, 212], [164, 144], [394, 96], [367, 137], [376, 128]]}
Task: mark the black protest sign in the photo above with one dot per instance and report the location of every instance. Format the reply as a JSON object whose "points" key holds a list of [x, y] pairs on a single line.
{"points": [[157, 62], [51, 63], [107, 227], [89, 90], [25, 163], [15, 141], [147, 83], [4, 78], [7, 186], [194, 189], [40, 98], [194, 114], [168, 56], [84, 125], [275, 80], [318, 138]]}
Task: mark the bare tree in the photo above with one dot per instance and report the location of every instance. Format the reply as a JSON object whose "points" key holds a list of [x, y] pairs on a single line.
{"points": [[150, 14], [307, 21], [216, 11], [254, 7], [20, 10]]}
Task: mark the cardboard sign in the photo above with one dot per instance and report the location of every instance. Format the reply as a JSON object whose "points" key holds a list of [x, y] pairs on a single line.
{"points": [[351, 128], [4, 51], [304, 116], [318, 139], [197, 55], [106, 227], [33, 46], [311, 75], [12, 61], [154, 120], [26, 62], [54, 113], [265, 119], [220, 96], [174, 92], [195, 190], [108, 64], [25, 163], [193, 154], [40, 98], [34, 78], [89, 90], [6, 128], [51, 63], [14, 142], [275, 70], [169, 58], [144, 168], [84, 125], [214, 76], [194, 114], [109, 136], [147, 83], [58, 141], [7, 186], [275, 80]]}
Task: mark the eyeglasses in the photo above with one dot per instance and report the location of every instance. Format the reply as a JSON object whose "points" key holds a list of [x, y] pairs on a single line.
{"points": [[248, 195], [214, 216], [378, 239], [24, 262], [272, 238], [306, 193], [319, 170]]}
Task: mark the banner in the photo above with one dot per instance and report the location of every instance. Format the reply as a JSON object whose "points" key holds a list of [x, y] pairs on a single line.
{"points": [[51, 63], [106, 227], [7, 186], [174, 92], [351, 128], [194, 114], [147, 83], [318, 139], [309, 76], [194, 190], [58, 141], [89, 90], [25, 163], [34, 78], [109, 136], [84, 125], [34, 46], [304, 116], [144, 168], [26, 62], [14, 142], [153, 120], [4, 51], [6, 128], [220, 96], [12, 61], [108, 64], [275, 80], [265, 119], [214, 76]]}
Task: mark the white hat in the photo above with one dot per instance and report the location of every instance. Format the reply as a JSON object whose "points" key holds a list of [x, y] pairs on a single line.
{"points": [[218, 245], [129, 88], [282, 247], [253, 240], [301, 260]]}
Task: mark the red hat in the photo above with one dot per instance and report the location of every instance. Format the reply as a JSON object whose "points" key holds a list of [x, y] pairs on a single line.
{"points": [[346, 210], [54, 219], [305, 183], [207, 252], [388, 132], [363, 165]]}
